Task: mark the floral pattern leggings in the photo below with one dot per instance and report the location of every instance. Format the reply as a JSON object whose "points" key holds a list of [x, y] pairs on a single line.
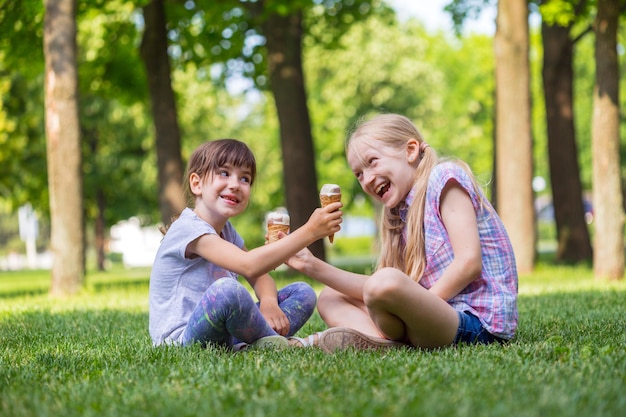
{"points": [[227, 313]]}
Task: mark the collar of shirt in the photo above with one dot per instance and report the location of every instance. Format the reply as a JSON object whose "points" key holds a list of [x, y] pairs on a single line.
{"points": [[403, 207]]}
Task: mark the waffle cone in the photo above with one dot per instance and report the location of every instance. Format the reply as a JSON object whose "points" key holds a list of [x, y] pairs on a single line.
{"points": [[273, 229], [327, 199]]}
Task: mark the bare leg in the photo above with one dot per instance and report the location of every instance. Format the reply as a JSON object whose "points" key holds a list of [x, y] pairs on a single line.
{"points": [[404, 310], [339, 310]]}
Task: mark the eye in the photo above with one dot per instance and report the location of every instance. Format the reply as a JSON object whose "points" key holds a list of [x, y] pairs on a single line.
{"points": [[223, 173], [246, 179], [358, 175]]}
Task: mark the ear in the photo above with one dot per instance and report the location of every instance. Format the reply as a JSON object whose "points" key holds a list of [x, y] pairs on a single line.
{"points": [[412, 150], [195, 183]]}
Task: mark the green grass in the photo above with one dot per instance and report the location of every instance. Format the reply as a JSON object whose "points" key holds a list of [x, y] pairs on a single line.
{"points": [[91, 356]]}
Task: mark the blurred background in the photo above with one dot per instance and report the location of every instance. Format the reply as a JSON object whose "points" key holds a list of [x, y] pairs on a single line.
{"points": [[157, 78]]}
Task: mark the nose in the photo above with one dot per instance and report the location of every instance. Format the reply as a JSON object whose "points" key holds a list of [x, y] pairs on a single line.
{"points": [[233, 181], [367, 178]]}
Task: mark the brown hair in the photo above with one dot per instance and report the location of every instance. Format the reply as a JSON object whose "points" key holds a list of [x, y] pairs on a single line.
{"points": [[210, 156]]}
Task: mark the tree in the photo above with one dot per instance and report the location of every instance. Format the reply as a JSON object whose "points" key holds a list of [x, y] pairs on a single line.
{"points": [[607, 188], [283, 35], [63, 147], [118, 180], [514, 167], [558, 76], [115, 125], [283, 28], [154, 52]]}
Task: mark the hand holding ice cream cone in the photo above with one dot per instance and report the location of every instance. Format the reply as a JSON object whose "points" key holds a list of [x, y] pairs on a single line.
{"points": [[277, 221], [330, 193]]}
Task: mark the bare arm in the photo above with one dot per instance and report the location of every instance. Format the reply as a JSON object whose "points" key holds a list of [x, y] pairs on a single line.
{"points": [[259, 261], [459, 218], [345, 282]]}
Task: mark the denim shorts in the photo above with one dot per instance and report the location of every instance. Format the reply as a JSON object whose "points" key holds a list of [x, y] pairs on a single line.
{"points": [[471, 331]]}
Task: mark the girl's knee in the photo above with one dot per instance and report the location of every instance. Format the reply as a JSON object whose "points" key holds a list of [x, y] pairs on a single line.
{"points": [[328, 295], [302, 289], [227, 286], [327, 299], [383, 286], [303, 293]]}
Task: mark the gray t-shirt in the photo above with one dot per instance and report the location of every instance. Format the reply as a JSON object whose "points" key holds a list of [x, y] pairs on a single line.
{"points": [[178, 283]]}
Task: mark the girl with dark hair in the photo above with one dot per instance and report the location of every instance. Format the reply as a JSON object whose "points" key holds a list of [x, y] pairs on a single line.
{"points": [[194, 293]]}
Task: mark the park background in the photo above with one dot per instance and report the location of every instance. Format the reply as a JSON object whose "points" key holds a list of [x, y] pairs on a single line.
{"points": [[356, 58], [79, 345]]}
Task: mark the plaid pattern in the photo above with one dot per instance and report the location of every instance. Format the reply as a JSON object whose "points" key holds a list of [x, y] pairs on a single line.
{"points": [[492, 297]]}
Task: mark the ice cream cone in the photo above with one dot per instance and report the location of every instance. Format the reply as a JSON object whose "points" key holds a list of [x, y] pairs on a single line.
{"points": [[330, 193], [277, 221], [273, 229]]}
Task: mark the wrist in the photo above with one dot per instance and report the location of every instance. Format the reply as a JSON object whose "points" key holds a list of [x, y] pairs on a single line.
{"points": [[268, 300], [309, 265]]}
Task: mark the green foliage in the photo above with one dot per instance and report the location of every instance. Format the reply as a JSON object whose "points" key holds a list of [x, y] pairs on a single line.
{"points": [[115, 129], [225, 38], [112, 73], [358, 59], [91, 355], [584, 80], [22, 152], [438, 82], [351, 246], [22, 143], [565, 12], [23, 20]]}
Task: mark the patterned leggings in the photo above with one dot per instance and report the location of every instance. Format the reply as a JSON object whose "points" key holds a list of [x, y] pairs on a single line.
{"points": [[227, 314]]}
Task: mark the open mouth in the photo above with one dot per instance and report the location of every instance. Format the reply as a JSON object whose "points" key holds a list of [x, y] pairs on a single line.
{"points": [[382, 189], [229, 198]]}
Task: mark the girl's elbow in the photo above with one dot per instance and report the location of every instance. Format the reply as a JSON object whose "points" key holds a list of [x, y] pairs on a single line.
{"points": [[472, 265], [250, 270], [254, 272]]}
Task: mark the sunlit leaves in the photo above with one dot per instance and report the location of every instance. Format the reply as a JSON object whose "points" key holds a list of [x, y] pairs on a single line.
{"points": [[558, 12], [445, 85]]}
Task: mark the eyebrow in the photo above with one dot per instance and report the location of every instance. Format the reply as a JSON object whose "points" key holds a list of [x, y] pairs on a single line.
{"points": [[245, 170]]}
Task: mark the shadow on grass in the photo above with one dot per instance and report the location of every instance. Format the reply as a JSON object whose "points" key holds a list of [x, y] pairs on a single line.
{"points": [[127, 283], [38, 288], [23, 292]]}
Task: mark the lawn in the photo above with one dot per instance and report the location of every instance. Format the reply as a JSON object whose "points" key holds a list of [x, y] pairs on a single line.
{"points": [[91, 356]]}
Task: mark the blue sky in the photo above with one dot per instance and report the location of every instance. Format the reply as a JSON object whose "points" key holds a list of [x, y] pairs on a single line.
{"points": [[431, 14]]}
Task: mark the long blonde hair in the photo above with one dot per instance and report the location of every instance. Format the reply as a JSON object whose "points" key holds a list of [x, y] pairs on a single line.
{"points": [[395, 131]]}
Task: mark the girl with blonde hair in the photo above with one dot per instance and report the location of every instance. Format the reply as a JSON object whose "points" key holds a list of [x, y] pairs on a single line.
{"points": [[446, 272]]}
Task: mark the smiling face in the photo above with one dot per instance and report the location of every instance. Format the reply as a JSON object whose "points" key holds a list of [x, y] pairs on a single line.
{"points": [[223, 194], [384, 172], [220, 175]]}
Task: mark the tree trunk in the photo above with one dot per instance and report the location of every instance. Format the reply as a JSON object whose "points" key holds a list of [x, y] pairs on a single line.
{"points": [[608, 261], [284, 37], [163, 105], [574, 244], [63, 147], [513, 130]]}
